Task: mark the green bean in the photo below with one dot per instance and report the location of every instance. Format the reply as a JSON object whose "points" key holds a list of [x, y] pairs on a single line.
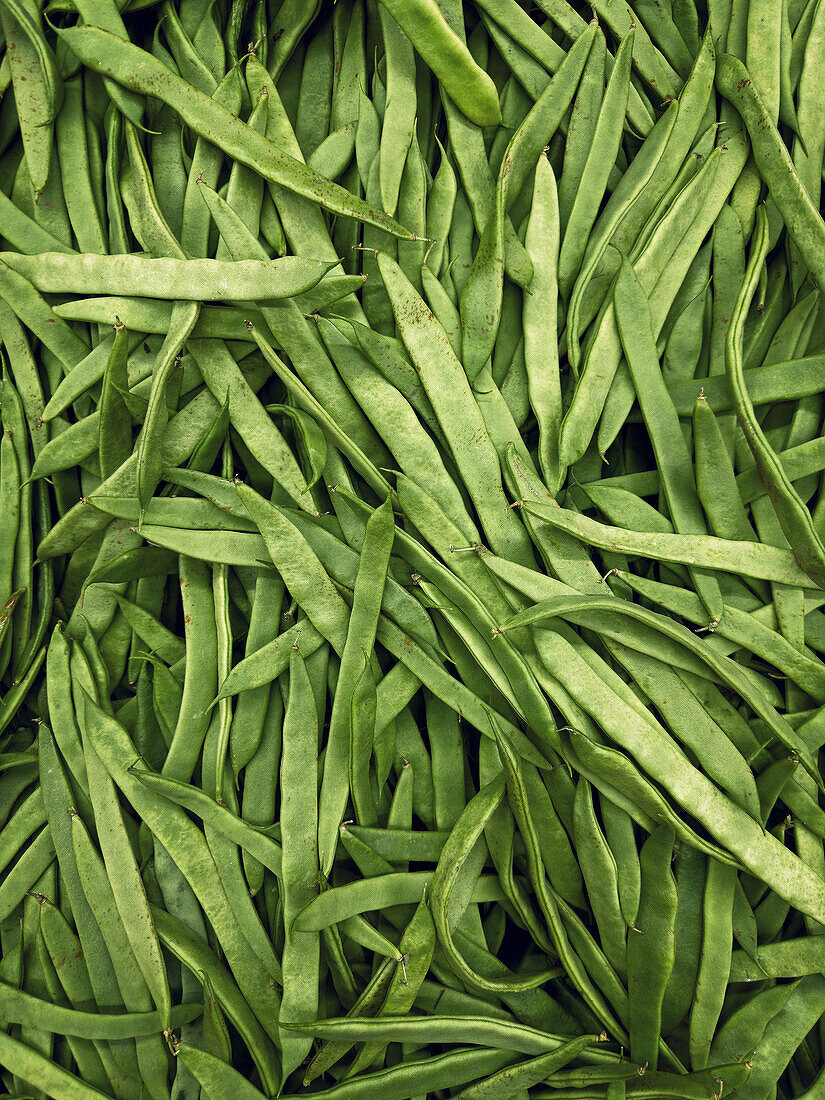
{"points": [[215, 1033], [28, 1063], [732, 840], [714, 966], [472, 451], [748, 559], [481, 295], [696, 204], [363, 895], [303, 574], [199, 280], [774, 162], [412, 207], [115, 444], [158, 637], [763, 386], [594, 172], [129, 894], [262, 718], [785, 1030], [37, 88], [416, 947], [786, 959], [17, 692], [650, 949], [176, 831], [14, 424], [676, 477], [443, 51], [715, 478], [22, 1008], [250, 718], [6, 615], [440, 207], [61, 340], [24, 233], [187, 946], [600, 874], [200, 672], [804, 157], [30, 816], [367, 135], [87, 372], [539, 318], [145, 1057], [216, 815], [482, 1031], [86, 1054], [310, 403], [394, 419], [74, 151], [735, 679], [267, 663], [728, 170], [443, 308], [624, 200], [416, 1077], [300, 857], [524, 1075], [446, 751], [368, 862], [388, 357], [223, 376], [475, 606], [65, 969], [687, 935], [215, 1076], [10, 502], [453, 857], [399, 116], [582, 125], [25, 872], [314, 103], [793, 516], [692, 726], [58, 800], [142, 73], [551, 908], [366, 1005]]}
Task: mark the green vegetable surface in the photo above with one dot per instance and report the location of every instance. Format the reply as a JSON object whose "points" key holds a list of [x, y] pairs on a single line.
{"points": [[412, 549]]}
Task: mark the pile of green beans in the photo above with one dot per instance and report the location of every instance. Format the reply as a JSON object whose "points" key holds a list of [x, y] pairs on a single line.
{"points": [[412, 549]]}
